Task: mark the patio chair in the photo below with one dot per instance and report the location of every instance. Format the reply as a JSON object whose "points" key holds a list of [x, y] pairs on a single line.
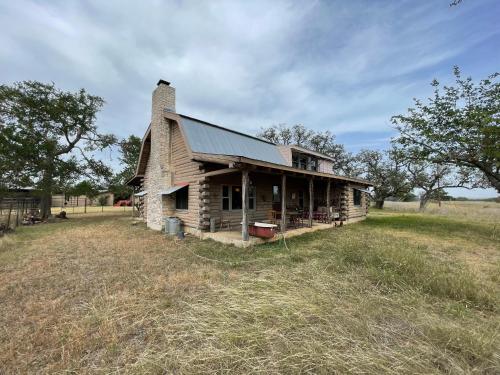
{"points": [[335, 217], [224, 223], [273, 217]]}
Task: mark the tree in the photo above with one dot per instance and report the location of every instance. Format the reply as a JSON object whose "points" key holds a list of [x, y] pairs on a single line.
{"points": [[130, 149], [102, 200], [386, 170], [458, 126], [433, 179], [87, 188], [47, 137], [322, 142], [409, 197]]}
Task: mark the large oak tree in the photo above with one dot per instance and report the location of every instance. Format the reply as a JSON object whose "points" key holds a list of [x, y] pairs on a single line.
{"points": [[387, 171], [47, 137], [457, 126]]}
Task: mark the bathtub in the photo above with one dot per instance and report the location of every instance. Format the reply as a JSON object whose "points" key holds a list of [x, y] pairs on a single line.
{"points": [[262, 230]]}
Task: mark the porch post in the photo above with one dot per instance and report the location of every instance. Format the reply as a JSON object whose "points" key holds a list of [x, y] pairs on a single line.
{"points": [[328, 214], [244, 205], [283, 204], [311, 201]]}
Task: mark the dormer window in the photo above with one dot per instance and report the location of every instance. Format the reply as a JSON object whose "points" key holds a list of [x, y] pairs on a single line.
{"points": [[303, 161]]}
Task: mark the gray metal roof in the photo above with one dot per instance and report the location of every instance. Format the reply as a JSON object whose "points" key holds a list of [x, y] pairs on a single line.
{"points": [[212, 139], [172, 189]]}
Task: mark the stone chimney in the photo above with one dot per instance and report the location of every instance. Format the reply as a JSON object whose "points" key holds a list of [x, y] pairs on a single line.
{"points": [[158, 173]]}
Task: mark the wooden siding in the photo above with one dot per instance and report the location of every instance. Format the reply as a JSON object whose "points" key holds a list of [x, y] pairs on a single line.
{"points": [[184, 170], [286, 152], [355, 212], [325, 166]]}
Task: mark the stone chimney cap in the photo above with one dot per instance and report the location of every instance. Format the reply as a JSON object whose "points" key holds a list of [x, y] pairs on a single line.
{"points": [[162, 82]]}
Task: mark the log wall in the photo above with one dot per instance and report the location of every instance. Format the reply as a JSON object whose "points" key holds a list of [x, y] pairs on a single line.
{"points": [[184, 170]]}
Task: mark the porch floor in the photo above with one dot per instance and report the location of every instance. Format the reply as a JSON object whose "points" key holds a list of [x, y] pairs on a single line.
{"points": [[234, 237]]}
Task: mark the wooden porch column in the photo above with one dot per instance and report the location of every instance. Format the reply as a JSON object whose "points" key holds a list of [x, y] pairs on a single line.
{"points": [[311, 201], [283, 204], [133, 202], [244, 205], [328, 214]]}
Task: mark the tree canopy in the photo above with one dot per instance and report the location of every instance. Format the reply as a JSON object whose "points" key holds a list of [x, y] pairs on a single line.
{"points": [[458, 125], [432, 179], [47, 137], [386, 170], [129, 155], [323, 142]]}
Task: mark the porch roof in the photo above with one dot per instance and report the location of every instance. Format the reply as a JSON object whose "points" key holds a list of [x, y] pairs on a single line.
{"points": [[237, 161]]}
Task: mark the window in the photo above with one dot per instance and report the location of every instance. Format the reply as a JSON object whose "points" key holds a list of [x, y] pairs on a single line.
{"points": [[303, 161], [236, 198], [251, 197], [357, 197], [225, 197], [181, 198], [276, 194], [312, 164], [232, 197], [301, 199]]}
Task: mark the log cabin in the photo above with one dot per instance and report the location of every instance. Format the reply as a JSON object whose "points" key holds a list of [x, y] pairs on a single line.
{"points": [[212, 177]]}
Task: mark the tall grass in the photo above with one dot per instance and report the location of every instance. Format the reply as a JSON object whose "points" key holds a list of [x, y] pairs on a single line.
{"points": [[466, 210], [97, 295]]}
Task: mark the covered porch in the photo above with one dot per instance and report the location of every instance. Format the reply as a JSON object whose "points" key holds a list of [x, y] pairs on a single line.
{"points": [[294, 202]]}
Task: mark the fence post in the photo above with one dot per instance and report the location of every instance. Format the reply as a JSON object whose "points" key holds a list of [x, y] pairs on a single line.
{"points": [[8, 217], [17, 213]]}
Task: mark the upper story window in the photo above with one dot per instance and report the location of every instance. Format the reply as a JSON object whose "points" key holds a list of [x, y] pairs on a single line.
{"points": [[303, 161]]}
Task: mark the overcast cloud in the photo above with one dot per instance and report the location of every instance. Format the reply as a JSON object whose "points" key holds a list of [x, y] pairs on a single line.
{"points": [[346, 66]]}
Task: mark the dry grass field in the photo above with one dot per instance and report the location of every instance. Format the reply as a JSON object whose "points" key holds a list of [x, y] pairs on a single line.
{"points": [[470, 210], [399, 293]]}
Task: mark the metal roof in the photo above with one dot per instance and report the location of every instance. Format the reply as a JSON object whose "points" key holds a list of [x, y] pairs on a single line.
{"points": [[172, 189], [207, 138]]}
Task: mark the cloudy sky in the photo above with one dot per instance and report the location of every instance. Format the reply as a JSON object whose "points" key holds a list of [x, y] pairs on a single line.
{"points": [[346, 66]]}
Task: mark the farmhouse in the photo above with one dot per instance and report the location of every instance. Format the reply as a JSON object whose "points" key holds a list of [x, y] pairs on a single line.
{"points": [[211, 176]]}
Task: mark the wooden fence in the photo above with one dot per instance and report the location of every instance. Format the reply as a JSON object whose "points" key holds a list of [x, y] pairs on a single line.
{"points": [[12, 210]]}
